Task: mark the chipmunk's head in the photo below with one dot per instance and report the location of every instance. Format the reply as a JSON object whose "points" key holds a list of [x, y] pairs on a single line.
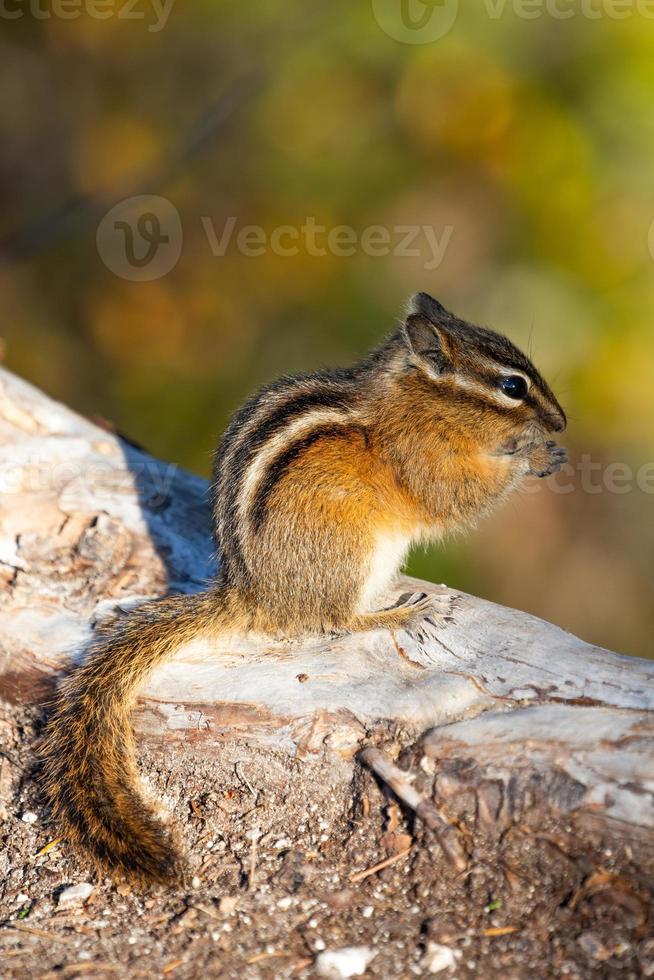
{"points": [[479, 368]]}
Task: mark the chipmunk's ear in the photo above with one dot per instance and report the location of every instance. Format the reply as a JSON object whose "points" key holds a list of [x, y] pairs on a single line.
{"points": [[425, 305], [428, 342]]}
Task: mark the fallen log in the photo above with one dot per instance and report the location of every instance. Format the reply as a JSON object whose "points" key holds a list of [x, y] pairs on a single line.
{"points": [[512, 706]]}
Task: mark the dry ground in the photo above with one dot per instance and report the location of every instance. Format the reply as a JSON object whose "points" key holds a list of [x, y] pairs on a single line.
{"points": [[543, 899]]}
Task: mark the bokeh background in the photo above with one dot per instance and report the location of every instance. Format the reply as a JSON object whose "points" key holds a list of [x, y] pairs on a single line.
{"points": [[531, 138]]}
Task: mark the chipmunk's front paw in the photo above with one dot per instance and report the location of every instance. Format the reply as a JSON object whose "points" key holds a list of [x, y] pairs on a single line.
{"points": [[546, 458], [437, 610]]}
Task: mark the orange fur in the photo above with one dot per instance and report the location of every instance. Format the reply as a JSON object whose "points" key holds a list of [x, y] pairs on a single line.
{"points": [[321, 484]]}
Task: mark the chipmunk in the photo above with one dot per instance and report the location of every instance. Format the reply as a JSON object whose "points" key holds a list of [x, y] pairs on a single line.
{"points": [[321, 484]]}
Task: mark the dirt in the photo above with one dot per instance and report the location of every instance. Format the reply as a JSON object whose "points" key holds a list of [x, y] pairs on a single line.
{"points": [[277, 850]]}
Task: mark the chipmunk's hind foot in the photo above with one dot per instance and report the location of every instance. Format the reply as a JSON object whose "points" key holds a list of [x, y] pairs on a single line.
{"points": [[436, 609]]}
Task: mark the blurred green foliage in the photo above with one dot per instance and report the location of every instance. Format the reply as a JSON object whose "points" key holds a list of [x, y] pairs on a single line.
{"points": [[531, 139]]}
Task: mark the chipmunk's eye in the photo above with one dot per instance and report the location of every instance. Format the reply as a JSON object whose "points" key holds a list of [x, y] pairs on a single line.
{"points": [[514, 386]]}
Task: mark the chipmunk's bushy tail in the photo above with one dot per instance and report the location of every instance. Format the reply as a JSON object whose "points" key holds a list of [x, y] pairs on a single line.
{"points": [[89, 772]]}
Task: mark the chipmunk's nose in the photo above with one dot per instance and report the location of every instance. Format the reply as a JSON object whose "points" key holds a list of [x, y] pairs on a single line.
{"points": [[558, 422]]}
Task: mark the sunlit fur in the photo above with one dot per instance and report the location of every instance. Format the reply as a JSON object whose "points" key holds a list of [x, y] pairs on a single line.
{"points": [[322, 482]]}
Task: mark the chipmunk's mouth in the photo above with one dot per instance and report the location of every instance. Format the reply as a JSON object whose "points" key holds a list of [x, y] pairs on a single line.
{"points": [[532, 434]]}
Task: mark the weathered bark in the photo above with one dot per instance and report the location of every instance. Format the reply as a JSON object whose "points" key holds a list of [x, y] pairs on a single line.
{"points": [[88, 523]]}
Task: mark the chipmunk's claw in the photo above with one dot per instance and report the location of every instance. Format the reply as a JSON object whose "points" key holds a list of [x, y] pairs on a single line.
{"points": [[548, 459], [441, 612]]}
